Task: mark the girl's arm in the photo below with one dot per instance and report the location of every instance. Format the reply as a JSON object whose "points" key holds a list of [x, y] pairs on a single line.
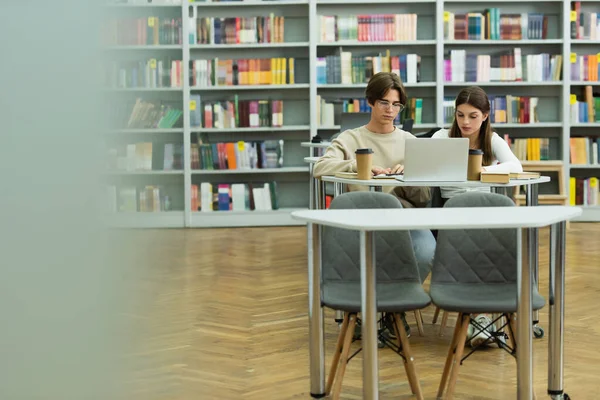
{"points": [[507, 161]]}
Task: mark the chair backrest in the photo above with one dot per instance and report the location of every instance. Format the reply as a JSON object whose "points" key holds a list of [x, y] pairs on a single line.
{"points": [[436, 198], [407, 124], [428, 134], [395, 258], [476, 255]]}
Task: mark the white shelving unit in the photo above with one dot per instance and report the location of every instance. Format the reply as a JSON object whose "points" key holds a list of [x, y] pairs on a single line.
{"points": [[302, 43], [580, 46]]}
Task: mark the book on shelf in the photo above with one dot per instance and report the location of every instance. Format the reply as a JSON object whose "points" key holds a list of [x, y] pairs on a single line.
{"points": [[585, 67], [368, 28], [150, 198], [503, 109], [143, 2], [588, 109], [584, 150], [133, 157], [584, 191], [235, 113], [236, 30], [144, 114], [504, 66], [236, 1], [584, 24], [152, 73], [491, 25], [355, 105], [211, 197], [238, 155], [326, 110], [413, 110], [347, 70], [152, 30], [173, 157], [254, 71], [530, 149]]}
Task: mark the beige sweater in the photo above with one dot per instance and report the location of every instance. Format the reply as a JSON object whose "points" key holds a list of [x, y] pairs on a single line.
{"points": [[388, 151]]}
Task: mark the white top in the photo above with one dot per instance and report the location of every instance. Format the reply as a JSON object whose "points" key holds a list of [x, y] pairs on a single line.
{"points": [[466, 184], [440, 218], [503, 161]]}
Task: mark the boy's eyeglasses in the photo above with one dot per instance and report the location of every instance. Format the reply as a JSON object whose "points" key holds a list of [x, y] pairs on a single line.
{"points": [[384, 105]]}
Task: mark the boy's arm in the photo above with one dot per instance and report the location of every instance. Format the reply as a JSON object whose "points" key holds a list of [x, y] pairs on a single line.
{"points": [[336, 159]]}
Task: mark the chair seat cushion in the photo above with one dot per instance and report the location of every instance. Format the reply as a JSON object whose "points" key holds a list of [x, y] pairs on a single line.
{"points": [[479, 298], [391, 296]]}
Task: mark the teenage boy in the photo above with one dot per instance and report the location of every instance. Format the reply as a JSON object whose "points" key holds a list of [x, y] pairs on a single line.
{"points": [[386, 97]]}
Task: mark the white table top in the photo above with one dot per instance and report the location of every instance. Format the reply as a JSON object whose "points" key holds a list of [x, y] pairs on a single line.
{"points": [[322, 145], [394, 182], [311, 160], [440, 218]]}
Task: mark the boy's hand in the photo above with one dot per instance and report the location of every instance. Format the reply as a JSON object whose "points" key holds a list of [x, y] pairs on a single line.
{"points": [[397, 169], [378, 170]]}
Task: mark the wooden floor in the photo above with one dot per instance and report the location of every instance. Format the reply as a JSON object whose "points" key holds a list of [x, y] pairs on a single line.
{"points": [[221, 314]]}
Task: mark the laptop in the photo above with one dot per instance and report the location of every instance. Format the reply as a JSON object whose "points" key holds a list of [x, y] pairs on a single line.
{"points": [[427, 160]]}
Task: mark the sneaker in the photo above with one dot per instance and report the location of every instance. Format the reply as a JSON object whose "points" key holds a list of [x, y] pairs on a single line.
{"points": [[482, 336]]}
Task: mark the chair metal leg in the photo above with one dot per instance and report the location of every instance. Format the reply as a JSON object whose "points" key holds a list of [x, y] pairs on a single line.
{"points": [[450, 357], [336, 354], [409, 361], [337, 387], [460, 347]]}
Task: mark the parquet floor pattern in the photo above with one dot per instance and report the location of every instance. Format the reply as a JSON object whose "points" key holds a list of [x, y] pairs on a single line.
{"points": [[221, 314]]}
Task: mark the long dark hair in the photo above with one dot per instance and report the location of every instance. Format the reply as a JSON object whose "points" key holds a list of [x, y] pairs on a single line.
{"points": [[476, 97]]}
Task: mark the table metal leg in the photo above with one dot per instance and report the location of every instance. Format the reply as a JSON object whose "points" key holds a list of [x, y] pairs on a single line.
{"points": [[311, 189], [337, 189], [524, 327], [531, 199], [556, 310], [319, 194], [316, 331], [369, 319]]}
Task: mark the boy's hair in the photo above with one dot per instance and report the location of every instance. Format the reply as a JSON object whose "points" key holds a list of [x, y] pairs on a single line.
{"points": [[381, 83]]}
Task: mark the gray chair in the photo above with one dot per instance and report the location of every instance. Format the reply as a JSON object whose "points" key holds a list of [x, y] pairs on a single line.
{"points": [[399, 286], [475, 271]]}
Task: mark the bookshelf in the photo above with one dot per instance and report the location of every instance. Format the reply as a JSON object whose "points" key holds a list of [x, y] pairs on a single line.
{"points": [[308, 39]]}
